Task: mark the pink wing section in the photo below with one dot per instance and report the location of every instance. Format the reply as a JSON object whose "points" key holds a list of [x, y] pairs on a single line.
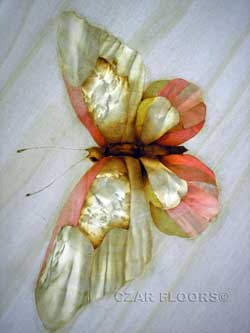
{"points": [[200, 205], [189, 168], [187, 99], [71, 211], [196, 210], [77, 101]]}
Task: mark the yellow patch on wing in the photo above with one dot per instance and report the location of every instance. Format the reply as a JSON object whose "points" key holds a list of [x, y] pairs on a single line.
{"points": [[150, 194], [155, 116], [154, 88], [165, 223]]}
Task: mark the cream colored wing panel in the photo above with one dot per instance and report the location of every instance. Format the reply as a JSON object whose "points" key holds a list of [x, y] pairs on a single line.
{"points": [[63, 286], [107, 204], [107, 96], [78, 45], [139, 244], [129, 65], [112, 75], [108, 271], [166, 185]]}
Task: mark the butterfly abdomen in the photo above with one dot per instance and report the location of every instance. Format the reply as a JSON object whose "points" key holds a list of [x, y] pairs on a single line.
{"points": [[135, 150]]}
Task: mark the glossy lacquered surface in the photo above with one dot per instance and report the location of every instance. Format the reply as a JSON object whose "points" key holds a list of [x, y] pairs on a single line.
{"points": [[205, 42]]}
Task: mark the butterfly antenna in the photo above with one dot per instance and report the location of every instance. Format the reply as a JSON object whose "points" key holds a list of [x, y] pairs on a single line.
{"points": [[57, 178], [47, 147]]}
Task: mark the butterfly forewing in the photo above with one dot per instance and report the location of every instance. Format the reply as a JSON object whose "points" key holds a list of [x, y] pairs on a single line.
{"points": [[106, 75], [112, 225]]}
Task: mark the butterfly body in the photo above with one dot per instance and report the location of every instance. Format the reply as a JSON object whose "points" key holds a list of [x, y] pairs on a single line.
{"points": [[135, 150]]}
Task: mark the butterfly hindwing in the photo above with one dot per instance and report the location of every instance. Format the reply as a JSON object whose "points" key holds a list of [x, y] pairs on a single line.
{"points": [[198, 206], [186, 99]]}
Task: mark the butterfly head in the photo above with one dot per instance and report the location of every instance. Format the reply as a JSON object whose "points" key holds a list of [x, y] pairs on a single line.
{"points": [[95, 154]]}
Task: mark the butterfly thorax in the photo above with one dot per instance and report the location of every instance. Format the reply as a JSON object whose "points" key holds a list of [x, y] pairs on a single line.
{"points": [[135, 150]]}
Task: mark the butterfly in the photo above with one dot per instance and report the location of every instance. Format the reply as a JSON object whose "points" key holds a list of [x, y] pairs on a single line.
{"points": [[141, 178]]}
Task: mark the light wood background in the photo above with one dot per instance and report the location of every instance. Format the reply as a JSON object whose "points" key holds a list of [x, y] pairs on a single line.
{"points": [[206, 42]]}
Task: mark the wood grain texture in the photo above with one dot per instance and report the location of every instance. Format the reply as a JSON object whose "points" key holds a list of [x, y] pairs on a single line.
{"points": [[205, 42]]}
